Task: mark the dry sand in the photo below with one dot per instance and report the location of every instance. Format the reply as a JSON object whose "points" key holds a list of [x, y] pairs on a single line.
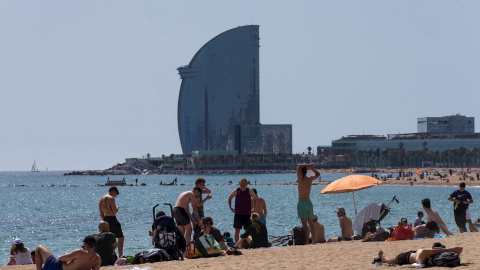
{"points": [[338, 256]]}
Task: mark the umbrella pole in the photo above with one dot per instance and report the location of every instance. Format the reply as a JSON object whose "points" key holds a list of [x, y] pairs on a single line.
{"points": [[354, 205]]}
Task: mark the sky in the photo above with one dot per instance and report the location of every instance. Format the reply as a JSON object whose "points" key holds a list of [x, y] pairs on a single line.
{"points": [[86, 84]]}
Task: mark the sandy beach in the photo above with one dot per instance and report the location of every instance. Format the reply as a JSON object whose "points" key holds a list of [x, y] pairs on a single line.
{"points": [[341, 255]]}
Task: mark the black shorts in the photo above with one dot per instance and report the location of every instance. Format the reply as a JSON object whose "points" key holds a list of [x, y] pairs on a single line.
{"points": [[461, 218], [404, 258], [240, 221], [181, 216], [115, 226]]}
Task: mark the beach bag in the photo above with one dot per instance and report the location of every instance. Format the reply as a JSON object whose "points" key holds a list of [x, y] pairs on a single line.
{"points": [[207, 246], [299, 236], [192, 251], [151, 256], [402, 233], [445, 259], [379, 235]]}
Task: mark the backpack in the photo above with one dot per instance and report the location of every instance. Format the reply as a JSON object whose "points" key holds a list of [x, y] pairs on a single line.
{"points": [[379, 235], [207, 246], [445, 259], [299, 236], [151, 256]]}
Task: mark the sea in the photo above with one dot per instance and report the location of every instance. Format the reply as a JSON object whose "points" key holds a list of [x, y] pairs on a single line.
{"points": [[57, 211]]}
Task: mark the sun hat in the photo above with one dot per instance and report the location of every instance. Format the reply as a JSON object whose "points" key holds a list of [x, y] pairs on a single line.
{"points": [[17, 241]]}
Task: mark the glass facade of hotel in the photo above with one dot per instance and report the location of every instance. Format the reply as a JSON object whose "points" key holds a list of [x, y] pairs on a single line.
{"points": [[220, 90]]}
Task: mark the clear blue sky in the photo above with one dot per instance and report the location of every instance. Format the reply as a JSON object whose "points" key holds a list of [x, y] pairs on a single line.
{"points": [[85, 84]]}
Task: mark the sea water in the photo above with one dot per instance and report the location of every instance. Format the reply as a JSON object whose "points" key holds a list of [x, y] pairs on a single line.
{"points": [[57, 211]]}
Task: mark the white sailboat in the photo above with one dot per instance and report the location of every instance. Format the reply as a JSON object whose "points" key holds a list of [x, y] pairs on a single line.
{"points": [[34, 166]]}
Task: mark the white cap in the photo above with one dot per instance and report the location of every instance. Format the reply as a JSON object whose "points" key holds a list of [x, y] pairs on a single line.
{"points": [[17, 241]]}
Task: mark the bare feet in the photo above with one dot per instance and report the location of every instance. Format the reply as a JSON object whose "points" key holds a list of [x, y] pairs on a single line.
{"points": [[381, 255]]}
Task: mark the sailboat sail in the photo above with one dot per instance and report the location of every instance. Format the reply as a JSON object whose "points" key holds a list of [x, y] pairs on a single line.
{"points": [[34, 166]]}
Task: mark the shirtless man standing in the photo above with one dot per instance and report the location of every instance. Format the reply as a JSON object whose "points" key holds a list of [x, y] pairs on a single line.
{"points": [[200, 182], [345, 226], [260, 208], [181, 212], [108, 210], [434, 216], [304, 205], [80, 259]]}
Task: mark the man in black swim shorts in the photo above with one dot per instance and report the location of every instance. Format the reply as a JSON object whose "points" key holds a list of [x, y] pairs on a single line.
{"points": [[181, 212], [108, 211], [419, 256]]}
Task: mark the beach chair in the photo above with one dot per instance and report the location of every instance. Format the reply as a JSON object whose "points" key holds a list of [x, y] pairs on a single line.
{"points": [[369, 217], [168, 236]]}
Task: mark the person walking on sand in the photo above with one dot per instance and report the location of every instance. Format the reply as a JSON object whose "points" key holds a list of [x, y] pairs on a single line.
{"points": [[432, 215], [260, 208], [79, 259], [108, 211], [200, 182], [244, 206], [181, 211], [345, 226], [461, 200], [304, 205]]}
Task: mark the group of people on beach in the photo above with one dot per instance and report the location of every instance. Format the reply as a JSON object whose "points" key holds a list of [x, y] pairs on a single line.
{"points": [[250, 214]]}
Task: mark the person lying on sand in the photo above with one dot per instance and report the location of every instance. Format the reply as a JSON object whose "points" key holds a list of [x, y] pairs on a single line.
{"points": [[419, 256], [81, 259]]}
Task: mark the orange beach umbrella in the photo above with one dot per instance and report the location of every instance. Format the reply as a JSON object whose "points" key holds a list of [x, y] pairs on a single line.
{"points": [[351, 183]]}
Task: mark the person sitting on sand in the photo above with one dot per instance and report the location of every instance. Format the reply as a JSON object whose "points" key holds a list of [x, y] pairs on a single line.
{"points": [[84, 258], [418, 220], [256, 235], [426, 230], [206, 223], [432, 215], [19, 254], [228, 239], [105, 244], [419, 256], [345, 226], [319, 230]]}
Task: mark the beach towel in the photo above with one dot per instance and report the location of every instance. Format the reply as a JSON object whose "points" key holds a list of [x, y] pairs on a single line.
{"points": [[370, 212]]}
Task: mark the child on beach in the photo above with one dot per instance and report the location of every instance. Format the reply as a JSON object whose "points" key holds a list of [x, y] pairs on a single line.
{"points": [[19, 254], [418, 220]]}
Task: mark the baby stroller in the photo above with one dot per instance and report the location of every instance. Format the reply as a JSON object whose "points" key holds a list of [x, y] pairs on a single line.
{"points": [[367, 219], [167, 236]]}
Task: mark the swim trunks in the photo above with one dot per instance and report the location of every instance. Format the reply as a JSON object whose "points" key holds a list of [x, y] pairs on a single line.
{"points": [[305, 209], [404, 258], [52, 264], [181, 216], [263, 220], [115, 226], [240, 221]]}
